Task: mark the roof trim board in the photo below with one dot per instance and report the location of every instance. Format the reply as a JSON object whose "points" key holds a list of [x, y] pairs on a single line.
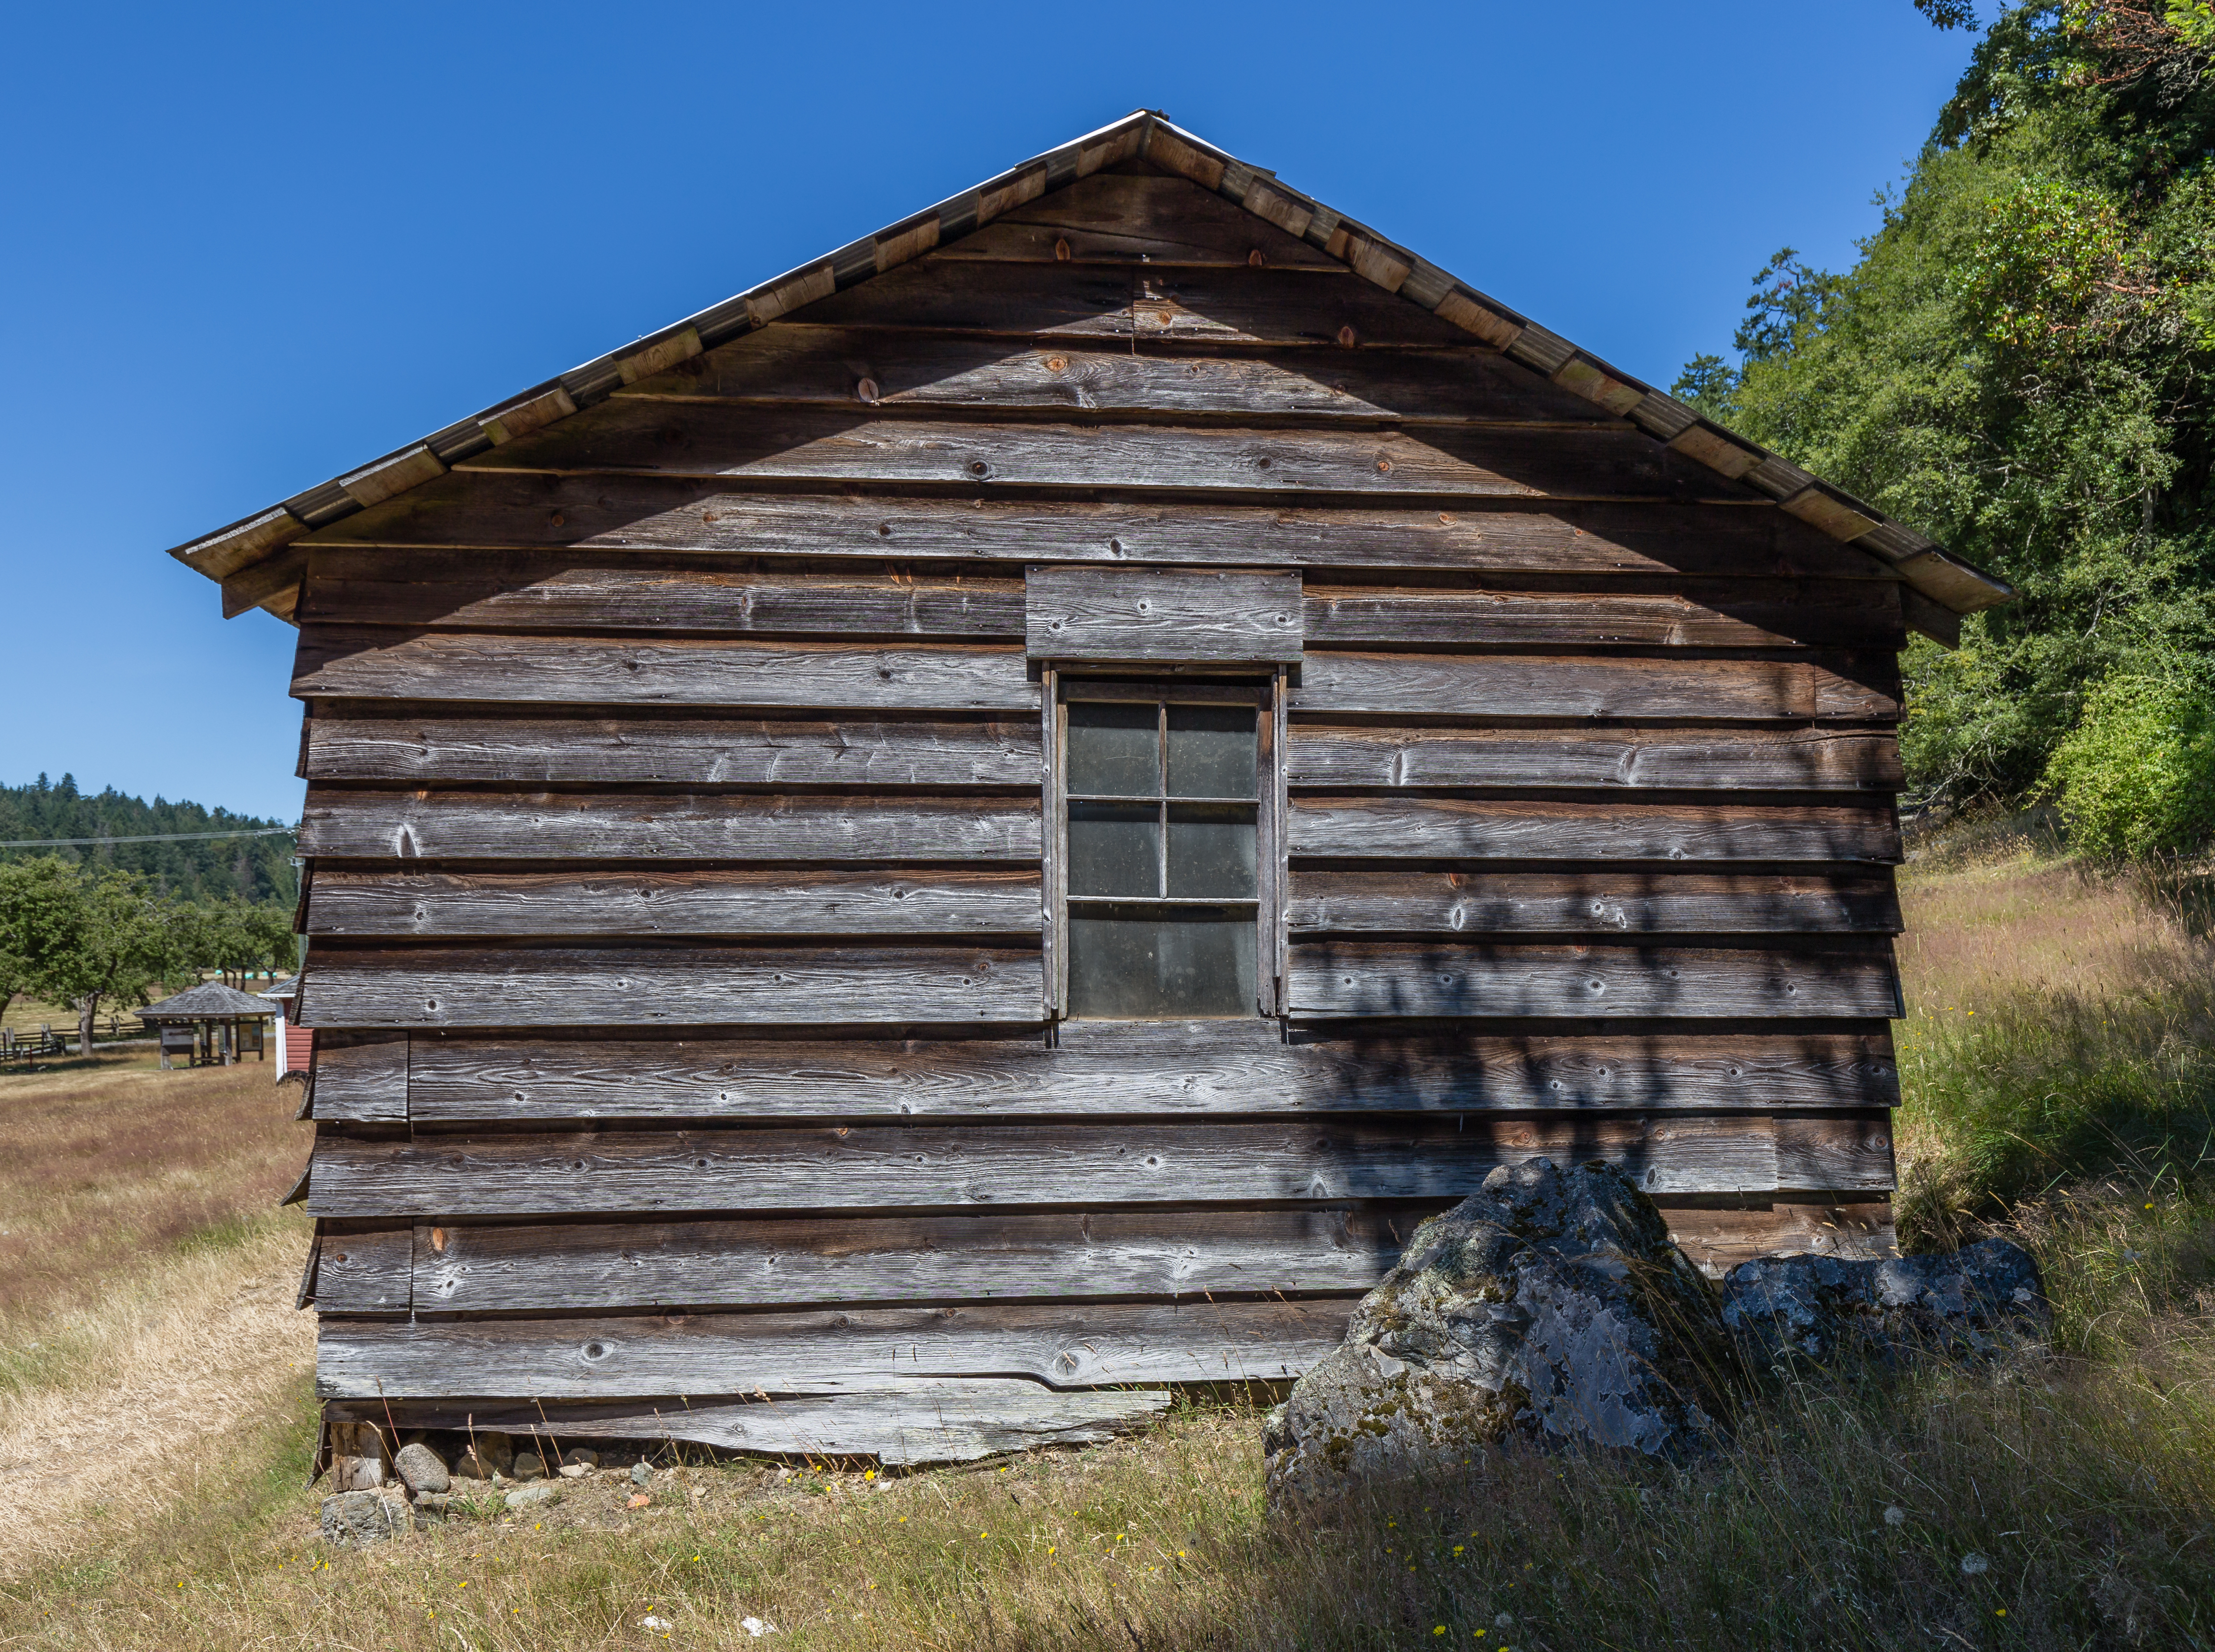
{"points": [[248, 557]]}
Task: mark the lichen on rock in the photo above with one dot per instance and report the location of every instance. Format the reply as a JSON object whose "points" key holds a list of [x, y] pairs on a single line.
{"points": [[1550, 1305], [1983, 1300]]}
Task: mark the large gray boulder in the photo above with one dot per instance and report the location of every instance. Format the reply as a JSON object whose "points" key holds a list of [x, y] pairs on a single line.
{"points": [[1983, 1300], [352, 1520], [1550, 1307]]}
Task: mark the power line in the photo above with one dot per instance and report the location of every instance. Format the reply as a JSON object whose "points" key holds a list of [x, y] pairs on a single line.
{"points": [[151, 838]]}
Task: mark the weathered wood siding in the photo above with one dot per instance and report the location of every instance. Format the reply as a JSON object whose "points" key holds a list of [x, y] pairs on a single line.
{"points": [[680, 847]]}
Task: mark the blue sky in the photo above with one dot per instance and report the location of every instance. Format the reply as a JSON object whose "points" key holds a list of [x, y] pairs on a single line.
{"points": [[249, 248]]}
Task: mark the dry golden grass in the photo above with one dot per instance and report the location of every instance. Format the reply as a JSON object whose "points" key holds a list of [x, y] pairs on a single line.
{"points": [[146, 1287], [2062, 1502], [2088, 1491], [105, 1163]]}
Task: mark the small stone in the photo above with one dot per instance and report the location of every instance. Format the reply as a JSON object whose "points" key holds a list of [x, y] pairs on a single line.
{"points": [[352, 1519], [434, 1502], [1895, 1515], [1973, 1564], [529, 1465], [756, 1626], [574, 1470], [488, 1454], [423, 1469], [581, 1457], [641, 1473], [653, 1623], [535, 1496]]}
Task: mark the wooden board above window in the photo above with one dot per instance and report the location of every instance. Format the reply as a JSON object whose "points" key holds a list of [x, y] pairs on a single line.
{"points": [[1156, 617]]}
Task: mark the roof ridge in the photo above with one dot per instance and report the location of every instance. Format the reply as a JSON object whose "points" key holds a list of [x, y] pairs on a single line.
{"points": [[246, 557]]}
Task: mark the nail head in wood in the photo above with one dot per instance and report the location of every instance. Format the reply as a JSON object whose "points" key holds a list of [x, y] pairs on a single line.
{"points": [[1061, 250], [865, 392], [1345, 338]]}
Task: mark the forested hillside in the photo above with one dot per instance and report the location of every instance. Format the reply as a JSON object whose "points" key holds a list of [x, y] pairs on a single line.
{"points": [[253, 869], [2022, 364]]}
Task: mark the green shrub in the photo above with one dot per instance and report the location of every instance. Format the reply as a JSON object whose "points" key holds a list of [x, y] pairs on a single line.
{"points": [[2136, 777]]}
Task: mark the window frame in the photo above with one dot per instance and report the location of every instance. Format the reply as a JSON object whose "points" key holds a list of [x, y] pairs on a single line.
{"points": [[1264, 691]]}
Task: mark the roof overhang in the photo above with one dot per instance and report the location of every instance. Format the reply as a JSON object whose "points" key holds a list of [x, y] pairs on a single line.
{"points": [[251, 560]]}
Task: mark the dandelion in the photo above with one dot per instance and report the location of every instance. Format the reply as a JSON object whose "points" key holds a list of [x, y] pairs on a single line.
{"points": [[2000, 1611], [1458, 1548], [871, 1474]]}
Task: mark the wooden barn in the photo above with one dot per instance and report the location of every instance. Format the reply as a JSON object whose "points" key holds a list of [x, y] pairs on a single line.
{"points": [[983, 827]]}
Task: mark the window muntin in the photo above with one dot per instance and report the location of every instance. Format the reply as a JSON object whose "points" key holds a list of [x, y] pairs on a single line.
{"points": [[1161, 869]]}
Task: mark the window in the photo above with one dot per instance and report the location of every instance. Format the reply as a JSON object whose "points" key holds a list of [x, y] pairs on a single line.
{"points": [[1164, 865]]}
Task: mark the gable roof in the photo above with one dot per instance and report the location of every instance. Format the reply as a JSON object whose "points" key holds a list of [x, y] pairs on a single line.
{"points": [[210, 1000], [249, 559]]}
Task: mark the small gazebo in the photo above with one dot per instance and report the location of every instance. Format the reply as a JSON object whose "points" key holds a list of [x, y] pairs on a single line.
{"points": [[210, 1025]]}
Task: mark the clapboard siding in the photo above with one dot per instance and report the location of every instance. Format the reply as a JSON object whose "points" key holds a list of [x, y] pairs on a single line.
{"points": [[1477, 829], [1858, 688], [683, 865], [1127, 218], [504, 511], [587, 592], [646, 750], [536, 592], [360, 1076], [917, 1166], [470, 1268], [1617, 759], [805, 445], [368, 662], [1408, 900], [696, 986], [829, 1350], [363, 1272], [1748, 614], [1238, 306], [825, 367], [614, 825], [1102, 1068], [901, 1422], [521, 905], [1421, 978]]}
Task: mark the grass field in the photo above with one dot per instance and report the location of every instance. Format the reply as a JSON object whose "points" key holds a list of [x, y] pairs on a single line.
{"points": [[2057, 1088]]}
